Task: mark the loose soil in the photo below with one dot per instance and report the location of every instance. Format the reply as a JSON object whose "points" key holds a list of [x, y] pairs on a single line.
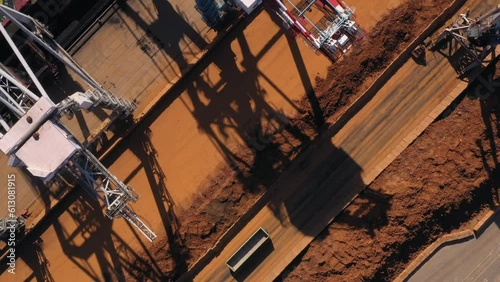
{"points": [[346, 80], [449, 175], [236, 188]]}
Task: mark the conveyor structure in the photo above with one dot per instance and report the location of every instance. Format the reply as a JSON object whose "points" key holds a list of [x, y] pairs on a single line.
{"points": [[478, 36], [33, 136]]}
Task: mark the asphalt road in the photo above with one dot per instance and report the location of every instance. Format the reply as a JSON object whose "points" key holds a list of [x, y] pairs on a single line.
{"points": [[474, 260], [320, 184]]}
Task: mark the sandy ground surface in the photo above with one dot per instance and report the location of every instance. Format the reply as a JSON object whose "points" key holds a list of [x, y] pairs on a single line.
{"points": [[448, 176], [93, 258], [235, 104], [186, 169], [133, 54], [369, 12], [242, 90], [317, 186], [117, 57]]}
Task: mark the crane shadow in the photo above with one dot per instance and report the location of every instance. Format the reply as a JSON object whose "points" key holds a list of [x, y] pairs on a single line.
{"points": [[489, 98], [458, 57], [90, 238], [175, 42], [369, 211], [234, 104], [148, 155], [317, 111]]}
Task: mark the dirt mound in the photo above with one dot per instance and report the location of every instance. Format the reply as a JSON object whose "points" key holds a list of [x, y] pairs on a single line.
{"points": [[434, 187], [346, 80], [237, 188]]}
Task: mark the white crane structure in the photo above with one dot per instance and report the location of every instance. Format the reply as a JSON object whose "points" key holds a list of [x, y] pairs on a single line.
{"points": [[478, 37], [33, 136]]}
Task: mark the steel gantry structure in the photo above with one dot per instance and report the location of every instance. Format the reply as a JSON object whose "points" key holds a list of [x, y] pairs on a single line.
{"points": [[478, 36], [33, 136]]}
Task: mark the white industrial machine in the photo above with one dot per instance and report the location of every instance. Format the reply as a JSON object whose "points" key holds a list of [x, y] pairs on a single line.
{"points": [[333, 34], [33, 136]]}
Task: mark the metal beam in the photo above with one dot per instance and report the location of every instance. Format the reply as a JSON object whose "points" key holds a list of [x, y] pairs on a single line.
{"points": [[40, 35], [89, 171], [22, 60]]}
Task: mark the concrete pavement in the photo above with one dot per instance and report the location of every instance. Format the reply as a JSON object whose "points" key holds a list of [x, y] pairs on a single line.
{"points": [[472, 260]]}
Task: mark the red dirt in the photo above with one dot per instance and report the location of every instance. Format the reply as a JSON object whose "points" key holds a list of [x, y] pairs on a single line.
{"points": [[446, 177], [345, 81], [236, 189]]}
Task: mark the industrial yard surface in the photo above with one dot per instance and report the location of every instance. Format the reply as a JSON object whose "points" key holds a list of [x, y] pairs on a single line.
{"points": [[253, 129], [116, 55]]}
